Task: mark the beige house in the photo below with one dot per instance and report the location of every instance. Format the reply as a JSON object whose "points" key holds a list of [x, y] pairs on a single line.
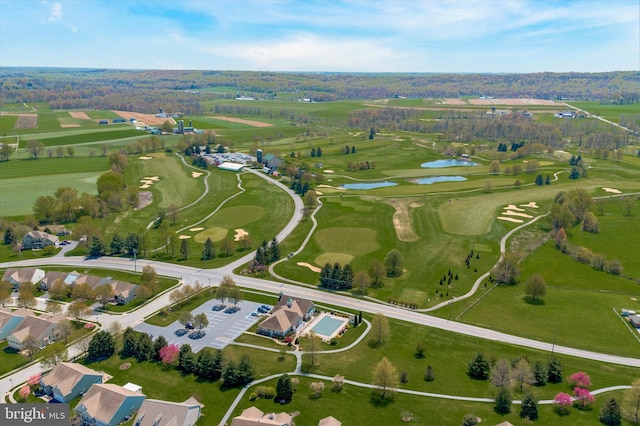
{"points": [[154, 412], [43, 328], [253, 416], [39, 240], [67, 380], [329, 421], [15, 276], [107, 405], [9, 320]]}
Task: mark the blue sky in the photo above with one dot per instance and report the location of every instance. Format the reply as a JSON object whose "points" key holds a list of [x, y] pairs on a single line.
{"points": [[330, 35]]}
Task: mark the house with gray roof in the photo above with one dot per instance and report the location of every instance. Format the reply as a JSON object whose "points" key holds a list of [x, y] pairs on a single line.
{"points": [[107, 405], [39, 240], [67, 380], [155, 412]]}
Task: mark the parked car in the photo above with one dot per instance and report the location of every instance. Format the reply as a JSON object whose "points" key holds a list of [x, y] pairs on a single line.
{"points": [[189, 325]]}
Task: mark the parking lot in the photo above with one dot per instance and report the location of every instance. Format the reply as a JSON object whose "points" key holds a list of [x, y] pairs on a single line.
{"points": [[223, 326]]}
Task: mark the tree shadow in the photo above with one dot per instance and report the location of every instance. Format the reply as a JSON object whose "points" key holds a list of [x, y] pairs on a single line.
{"points": [[378, 401], [535, 302]]}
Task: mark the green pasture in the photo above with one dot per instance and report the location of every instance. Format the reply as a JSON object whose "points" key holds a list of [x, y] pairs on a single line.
{"points": [[579, 308], [51, 166], [609, 112], [19, 194], [102, 114], [7, 124], [124, 131]]}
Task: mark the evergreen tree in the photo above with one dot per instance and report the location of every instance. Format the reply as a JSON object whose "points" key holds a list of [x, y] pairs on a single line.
{"points": [[539, 180], [209, 250], [117, 244], [547, 180], [274, 250], [184, 249], [428, 375], [503, 401], [205, 365], [96, 247], [230, 374], [129, 342], [186, 359], [529, 408], [325, 275], [246, 371], [347, 277], [540, 373], [158, 344], [610, 414], [101, 346], [353, 149], [9, 236], [319, 152], [479, 367], [144, 348], [284, 389], [554, 371], [372, 133], [313, 152]]}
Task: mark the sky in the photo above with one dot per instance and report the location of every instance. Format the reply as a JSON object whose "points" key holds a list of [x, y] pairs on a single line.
{"points": [[437, 36]]}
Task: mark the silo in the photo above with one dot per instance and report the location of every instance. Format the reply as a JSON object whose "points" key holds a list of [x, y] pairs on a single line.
{"points": [[259, 156]]}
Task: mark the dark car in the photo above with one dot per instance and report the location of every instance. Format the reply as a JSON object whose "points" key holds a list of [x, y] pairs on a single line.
{"points": [[218, 307], [189, 326], [181, 332], [196, 335]]}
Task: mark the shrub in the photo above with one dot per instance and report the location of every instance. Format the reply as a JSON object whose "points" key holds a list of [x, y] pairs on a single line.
{"points": [[265, 392]]}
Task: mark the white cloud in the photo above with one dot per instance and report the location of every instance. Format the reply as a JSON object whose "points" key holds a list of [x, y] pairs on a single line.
{"points": [[55, 12]]}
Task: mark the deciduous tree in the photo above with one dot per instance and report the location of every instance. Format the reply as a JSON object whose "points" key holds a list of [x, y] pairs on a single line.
{"points": [[501, 373], [361, 281], [379, 329], [377, 272], [169, 354], [394, 263], [385, 376], [35, 148], [53, 354], [536, 286], [104, 293], [631, 403]]}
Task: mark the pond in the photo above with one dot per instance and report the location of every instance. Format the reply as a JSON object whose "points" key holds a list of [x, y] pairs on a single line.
{"points": [[447, 163], [371, 185], [436, 179]]}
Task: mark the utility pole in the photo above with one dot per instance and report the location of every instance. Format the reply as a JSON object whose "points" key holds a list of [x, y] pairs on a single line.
{"points": [[135, 263]]}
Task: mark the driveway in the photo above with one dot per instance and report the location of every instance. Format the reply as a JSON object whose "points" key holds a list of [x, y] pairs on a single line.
{"points": [[223, 327]]}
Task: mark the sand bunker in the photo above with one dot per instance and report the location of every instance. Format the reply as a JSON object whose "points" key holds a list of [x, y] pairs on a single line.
{"points": [[184, 237], [145, 158], [531, 204], [64, 126], [512, 213], [145, 186], [152, 178], [513, 207], [329, 171], [510, 219], [402, 220], [196, 174], [318, 192], [239, 234], [355, 133], [196, 229], [311, 267], [612, 190]]}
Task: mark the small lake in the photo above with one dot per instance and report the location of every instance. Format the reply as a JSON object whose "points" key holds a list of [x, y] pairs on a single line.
{"points": [[436, 179], [447, 163], [372, 185]]}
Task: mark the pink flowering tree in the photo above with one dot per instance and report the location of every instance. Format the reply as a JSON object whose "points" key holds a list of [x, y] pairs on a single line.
{"points": [[24, 392], [562, 401], [34, 381], [169, 354], [583, 398], [580, 379]]}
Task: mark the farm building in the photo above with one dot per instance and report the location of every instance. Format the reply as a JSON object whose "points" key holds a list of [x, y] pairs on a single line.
{"points": [[233, 167], [272, 161], [635, 320], [103, 122]]}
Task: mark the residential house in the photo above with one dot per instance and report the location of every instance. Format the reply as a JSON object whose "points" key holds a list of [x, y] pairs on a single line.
{"points": [[69, 278], [287, 316], [124, 292], [68, 380], [154, 412], [253, 416], [329, 421], [15, 276], [43, 328], [107, 405], [39, 240], [9, 320]]}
